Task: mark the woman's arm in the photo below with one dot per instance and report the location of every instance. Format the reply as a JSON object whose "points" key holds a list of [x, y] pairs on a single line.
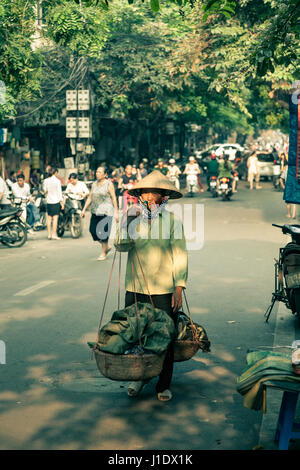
{"points": [[112, 193], [180, 262], [87, 203]]}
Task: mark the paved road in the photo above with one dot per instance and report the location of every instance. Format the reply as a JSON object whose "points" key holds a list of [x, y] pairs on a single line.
{"points": [[52, 396]]}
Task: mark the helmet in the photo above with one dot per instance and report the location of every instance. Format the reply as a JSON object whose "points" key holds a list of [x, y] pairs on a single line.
{"points": [[213, 155], [171, 160], [192, 158]]}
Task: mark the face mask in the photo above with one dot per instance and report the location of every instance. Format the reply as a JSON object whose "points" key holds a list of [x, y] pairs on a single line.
{"points": [[151, 210]]}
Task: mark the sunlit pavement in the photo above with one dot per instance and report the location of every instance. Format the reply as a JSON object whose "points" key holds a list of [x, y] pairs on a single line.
{"points": [[52, 395]]}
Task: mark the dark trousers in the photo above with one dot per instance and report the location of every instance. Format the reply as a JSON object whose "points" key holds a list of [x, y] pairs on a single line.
{"points": [[100, 227], [163, 302]]}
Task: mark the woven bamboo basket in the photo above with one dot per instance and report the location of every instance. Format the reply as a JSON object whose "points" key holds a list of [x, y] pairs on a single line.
{"points": [[129, 367], [185, 350]]}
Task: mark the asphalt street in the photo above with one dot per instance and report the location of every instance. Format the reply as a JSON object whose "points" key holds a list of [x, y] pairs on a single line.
{"points": [[52, 395]]}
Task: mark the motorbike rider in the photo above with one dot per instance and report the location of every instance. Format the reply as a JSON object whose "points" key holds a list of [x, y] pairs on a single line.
{"points": [[173, 173], [21, 190], [225, 171], [126, 182], [4, 193], [161, 166], [141, 171], [212, 168], [192, 168], [77, 187]]}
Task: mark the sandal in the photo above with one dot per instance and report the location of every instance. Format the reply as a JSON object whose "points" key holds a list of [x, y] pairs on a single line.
{"points": [[166, 395], [134, 388], [101, 258]]}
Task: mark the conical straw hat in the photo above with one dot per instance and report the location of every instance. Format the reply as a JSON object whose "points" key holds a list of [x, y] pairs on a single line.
{"points": [[156, 180]]}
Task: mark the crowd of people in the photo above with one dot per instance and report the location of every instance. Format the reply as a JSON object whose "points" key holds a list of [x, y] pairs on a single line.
{"points": [[146, 191], [112, 186]]}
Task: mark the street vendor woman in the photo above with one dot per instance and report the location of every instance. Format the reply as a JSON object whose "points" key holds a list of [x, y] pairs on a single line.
{"points": [[157, 264]]}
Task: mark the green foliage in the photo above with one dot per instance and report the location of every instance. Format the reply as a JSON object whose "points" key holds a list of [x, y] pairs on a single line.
{"points": [[81, 30], [145, 64], [20, 66], [133, 79]]}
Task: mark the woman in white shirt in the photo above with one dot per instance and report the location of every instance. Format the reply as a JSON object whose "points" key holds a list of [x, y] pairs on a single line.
{"points": [[54, 199], [253, 170]]}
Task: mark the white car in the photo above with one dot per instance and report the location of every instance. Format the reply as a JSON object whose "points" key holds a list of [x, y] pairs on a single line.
{"points": [[222, 149]]}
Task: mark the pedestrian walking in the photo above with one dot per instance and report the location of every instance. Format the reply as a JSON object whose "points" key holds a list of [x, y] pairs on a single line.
{"points": [[156, 267], [103, 201], [291, 208], [54, 200], [253, 170]]}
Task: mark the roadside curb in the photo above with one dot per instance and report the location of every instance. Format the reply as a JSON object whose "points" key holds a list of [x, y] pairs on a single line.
{"points": [[284, 336]]}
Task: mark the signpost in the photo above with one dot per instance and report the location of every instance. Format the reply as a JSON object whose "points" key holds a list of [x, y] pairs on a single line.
{"points": [[80, 125]]}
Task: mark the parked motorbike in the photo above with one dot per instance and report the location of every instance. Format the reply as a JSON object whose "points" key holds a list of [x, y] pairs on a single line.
{"points": [[287, 273], [13, 231], [191, 181], [69, 217], [21, 203], [225, 189], [213, 186], [276, 177]]}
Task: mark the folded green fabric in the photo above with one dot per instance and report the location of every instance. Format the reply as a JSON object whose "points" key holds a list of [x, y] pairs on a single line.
{"points": [[154, 326], [264, 367], [262, 363]]}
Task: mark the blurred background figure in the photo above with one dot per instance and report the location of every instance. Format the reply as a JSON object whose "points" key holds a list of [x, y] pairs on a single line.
{"points": [[173, 173]]}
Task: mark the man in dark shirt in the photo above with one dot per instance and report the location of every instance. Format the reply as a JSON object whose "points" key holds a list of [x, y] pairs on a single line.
{"points": [[212, 168], [162, 167], [126, 182]]}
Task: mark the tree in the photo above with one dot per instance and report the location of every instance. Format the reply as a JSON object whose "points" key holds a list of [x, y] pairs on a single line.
{"points": [[225, 52], [20, 66]]}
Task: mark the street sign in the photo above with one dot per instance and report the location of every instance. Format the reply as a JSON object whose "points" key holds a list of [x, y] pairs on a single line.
{"points": [[78, 99], [78, 127], [71, 128], [83, 100], [71, 100], [84, 127]]}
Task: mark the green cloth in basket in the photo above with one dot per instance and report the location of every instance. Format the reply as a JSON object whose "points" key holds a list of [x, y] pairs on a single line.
{"points": [[156, 328]]}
